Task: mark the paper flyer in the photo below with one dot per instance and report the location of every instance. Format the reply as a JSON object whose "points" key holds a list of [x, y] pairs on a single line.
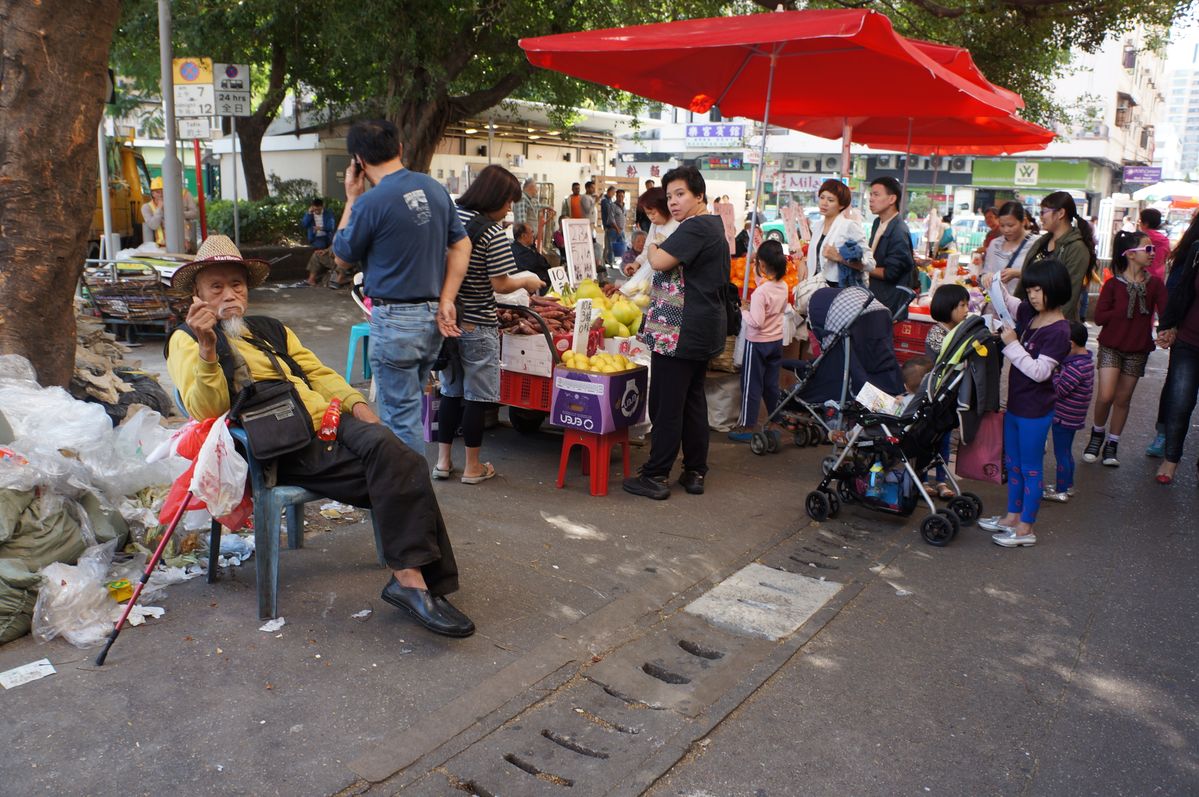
{"points": [[879, 401], [1000, 304]]}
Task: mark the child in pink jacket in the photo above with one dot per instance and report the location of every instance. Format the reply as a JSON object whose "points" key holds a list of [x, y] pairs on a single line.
{"points": [[762, 318]]}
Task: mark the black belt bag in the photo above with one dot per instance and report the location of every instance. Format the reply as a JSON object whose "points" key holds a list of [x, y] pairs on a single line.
{"points": [[275, 421]]}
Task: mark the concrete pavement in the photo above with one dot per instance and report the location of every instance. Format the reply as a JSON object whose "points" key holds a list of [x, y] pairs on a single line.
{"points": [[1061, 669]]}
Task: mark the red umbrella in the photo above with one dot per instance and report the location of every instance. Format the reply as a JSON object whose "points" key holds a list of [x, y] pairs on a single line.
{"points": [[730, 62]]}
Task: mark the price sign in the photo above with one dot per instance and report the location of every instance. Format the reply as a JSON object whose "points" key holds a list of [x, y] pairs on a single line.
{"points": [[558, 279]]}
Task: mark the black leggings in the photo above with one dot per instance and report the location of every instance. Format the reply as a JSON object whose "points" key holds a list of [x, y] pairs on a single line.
{"points": [[456, 411]]}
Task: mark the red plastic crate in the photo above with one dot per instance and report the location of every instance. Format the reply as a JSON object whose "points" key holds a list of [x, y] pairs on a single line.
{"points": [[909, 330], [526, 391]]}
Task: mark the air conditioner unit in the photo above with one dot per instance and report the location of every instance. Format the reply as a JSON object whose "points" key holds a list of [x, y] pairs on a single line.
{"points": [[923, 164], [886, 161], [831, 163], [789, 164], [959, 165], [518, 161], [807, 165]]}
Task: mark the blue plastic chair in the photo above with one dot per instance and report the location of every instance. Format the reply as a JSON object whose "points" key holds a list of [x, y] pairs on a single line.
{"points": [[269, 504], [359, 332]]}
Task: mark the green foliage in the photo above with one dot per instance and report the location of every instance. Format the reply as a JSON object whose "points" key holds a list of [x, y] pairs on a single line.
{"points": [[1023, 45], [295, 190], [267, 222]]}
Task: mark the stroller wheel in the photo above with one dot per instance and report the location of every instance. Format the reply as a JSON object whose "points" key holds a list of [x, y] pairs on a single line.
{"points": [[964, 508], [978, 504], [801, 436], [817, 505], [938, 529], [757, 443], [817, 435], [834, 504], [845, 493], [826, 465], [774, 441]]}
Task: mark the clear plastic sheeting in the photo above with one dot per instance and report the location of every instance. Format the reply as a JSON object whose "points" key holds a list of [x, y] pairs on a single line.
{"points": [[73, 602]]}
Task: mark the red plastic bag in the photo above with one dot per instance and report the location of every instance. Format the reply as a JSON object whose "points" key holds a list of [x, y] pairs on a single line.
{"points": [[982, 458]]}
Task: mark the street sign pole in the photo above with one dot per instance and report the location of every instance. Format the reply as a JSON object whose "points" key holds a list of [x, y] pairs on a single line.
{"points": [[236, 221], [105, 203], [200, 189], [172, 170]]}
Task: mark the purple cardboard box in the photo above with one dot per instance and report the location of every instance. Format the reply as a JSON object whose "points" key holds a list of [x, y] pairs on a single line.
{"points": [[598, 403]]}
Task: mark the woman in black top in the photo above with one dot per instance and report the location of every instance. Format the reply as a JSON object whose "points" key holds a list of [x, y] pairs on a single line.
{"points": [[684, 328]]}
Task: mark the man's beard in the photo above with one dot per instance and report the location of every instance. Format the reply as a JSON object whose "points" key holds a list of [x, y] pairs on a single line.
{"points": [[234, 326]]}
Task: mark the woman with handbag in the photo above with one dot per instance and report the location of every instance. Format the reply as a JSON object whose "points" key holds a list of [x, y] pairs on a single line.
{"points": [[1036, 346], [471, 379], [830, 231], [1005, 254]]}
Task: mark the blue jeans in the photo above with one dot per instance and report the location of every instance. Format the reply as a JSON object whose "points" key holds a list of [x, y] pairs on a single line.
{"points": [[1178, 397], [475, 373], [1024, 456], [1063, 452], [404, 345]]}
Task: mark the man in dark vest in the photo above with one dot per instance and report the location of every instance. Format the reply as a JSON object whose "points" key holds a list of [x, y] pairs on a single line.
{"points": [[220, 350]]}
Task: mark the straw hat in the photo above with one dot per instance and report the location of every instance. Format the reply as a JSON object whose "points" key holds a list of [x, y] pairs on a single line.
{"points": [[218, 250]]}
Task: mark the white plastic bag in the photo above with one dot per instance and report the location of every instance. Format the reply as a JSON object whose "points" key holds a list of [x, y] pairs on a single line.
{"points": [[220, 476], [739, 347], [640, 281], [73, 602]]}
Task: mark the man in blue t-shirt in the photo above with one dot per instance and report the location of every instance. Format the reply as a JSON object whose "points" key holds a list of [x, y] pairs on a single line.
{"points": [[406, 235]]}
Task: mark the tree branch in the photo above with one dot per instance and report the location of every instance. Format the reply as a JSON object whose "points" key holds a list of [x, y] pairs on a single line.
{"points": [[482, 99]]}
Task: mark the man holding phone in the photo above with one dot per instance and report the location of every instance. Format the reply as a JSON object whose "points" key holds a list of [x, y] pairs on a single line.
{"points": [[414, 252]]}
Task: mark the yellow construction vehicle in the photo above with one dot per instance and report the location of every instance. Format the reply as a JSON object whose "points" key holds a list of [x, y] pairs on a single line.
{"points": [[128, 190]]}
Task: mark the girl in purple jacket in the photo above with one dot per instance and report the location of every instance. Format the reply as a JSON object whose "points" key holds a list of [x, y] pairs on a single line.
{"points": [[1073, 384]]}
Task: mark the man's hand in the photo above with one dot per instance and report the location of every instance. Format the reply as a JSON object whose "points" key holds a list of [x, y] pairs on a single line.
{"points": [[1165, 338], [203, 321], [447, 320], [355, 179], [364, 413]]}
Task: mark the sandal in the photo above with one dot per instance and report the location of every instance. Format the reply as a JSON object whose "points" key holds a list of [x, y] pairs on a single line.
{"points": [[944, 491], [488, 472], [442, 473]]}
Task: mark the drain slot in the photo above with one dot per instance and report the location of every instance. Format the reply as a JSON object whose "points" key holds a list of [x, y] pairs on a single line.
{"points": [[817, 565], [536, 772], [663, 674], [607, 725], [471, 787], [572, 745], [696, 649]]}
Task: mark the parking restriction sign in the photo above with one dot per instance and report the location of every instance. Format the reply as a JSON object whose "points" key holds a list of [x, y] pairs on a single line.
{"points": [[232, 84], [193, 87]]}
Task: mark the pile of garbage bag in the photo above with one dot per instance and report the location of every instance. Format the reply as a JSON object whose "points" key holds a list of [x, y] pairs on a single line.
{"points": [[102, 375], [68, 481]]}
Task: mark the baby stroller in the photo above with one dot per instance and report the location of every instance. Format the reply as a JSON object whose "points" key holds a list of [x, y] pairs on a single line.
{"points": [[855, 335], [884, 456]]}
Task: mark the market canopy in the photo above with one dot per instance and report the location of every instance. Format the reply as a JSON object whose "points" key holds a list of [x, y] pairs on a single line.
{"points": [[847, 62], [1168, 191]]}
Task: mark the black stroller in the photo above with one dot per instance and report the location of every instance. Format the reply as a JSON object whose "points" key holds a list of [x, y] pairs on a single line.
{"points": [[884, 456], [855, 334]]}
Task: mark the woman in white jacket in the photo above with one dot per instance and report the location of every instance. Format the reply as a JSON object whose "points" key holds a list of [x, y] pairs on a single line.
{"points": [[833, 229]]}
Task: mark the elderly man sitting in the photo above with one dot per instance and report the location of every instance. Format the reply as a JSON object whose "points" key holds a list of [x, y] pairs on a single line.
{"points": [[366, 466]]}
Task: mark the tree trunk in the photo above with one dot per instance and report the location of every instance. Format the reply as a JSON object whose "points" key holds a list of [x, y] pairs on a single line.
{"points": [[53, 74], [251, 129], [422, 125]]}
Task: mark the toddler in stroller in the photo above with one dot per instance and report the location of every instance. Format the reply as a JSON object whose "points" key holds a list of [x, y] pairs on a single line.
{"points": [[853, 330], [880, 465]]}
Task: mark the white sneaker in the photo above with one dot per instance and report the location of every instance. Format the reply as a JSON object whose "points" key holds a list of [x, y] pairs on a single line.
{"points": [[1010, 539], [993, 524], [1053, 495]]}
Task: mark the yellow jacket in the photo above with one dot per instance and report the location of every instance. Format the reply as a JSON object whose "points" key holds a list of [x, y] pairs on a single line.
{"points": [[205, 394]]}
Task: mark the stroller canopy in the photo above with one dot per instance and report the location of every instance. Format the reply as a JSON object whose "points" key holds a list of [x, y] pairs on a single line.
{"points": [[834, 316]]}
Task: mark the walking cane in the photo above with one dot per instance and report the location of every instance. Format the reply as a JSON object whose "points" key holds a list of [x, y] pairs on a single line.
{"points": [[162, 545]]}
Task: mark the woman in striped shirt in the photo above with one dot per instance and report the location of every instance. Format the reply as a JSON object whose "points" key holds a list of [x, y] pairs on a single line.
{"points": [[471, 381]]}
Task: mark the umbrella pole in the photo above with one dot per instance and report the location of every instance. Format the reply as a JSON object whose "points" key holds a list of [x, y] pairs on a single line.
{"points": [[753, 219], [903, 200], [932, 203], [846, 140]]}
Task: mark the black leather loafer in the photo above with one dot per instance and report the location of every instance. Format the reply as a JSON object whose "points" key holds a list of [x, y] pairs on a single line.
{"points": [[425, 609], [650, 488], [692, 481]]}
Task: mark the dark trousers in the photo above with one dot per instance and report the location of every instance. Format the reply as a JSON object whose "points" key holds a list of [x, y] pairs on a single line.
{"points": [[760, 379], [1178, 397], [678, 409], [369, 467]]}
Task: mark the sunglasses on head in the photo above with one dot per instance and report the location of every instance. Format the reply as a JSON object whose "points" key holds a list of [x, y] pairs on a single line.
{"points": [[1147, 249]]}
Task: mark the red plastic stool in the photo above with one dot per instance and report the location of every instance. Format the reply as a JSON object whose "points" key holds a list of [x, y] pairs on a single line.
{"points": [[596, 458]]}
